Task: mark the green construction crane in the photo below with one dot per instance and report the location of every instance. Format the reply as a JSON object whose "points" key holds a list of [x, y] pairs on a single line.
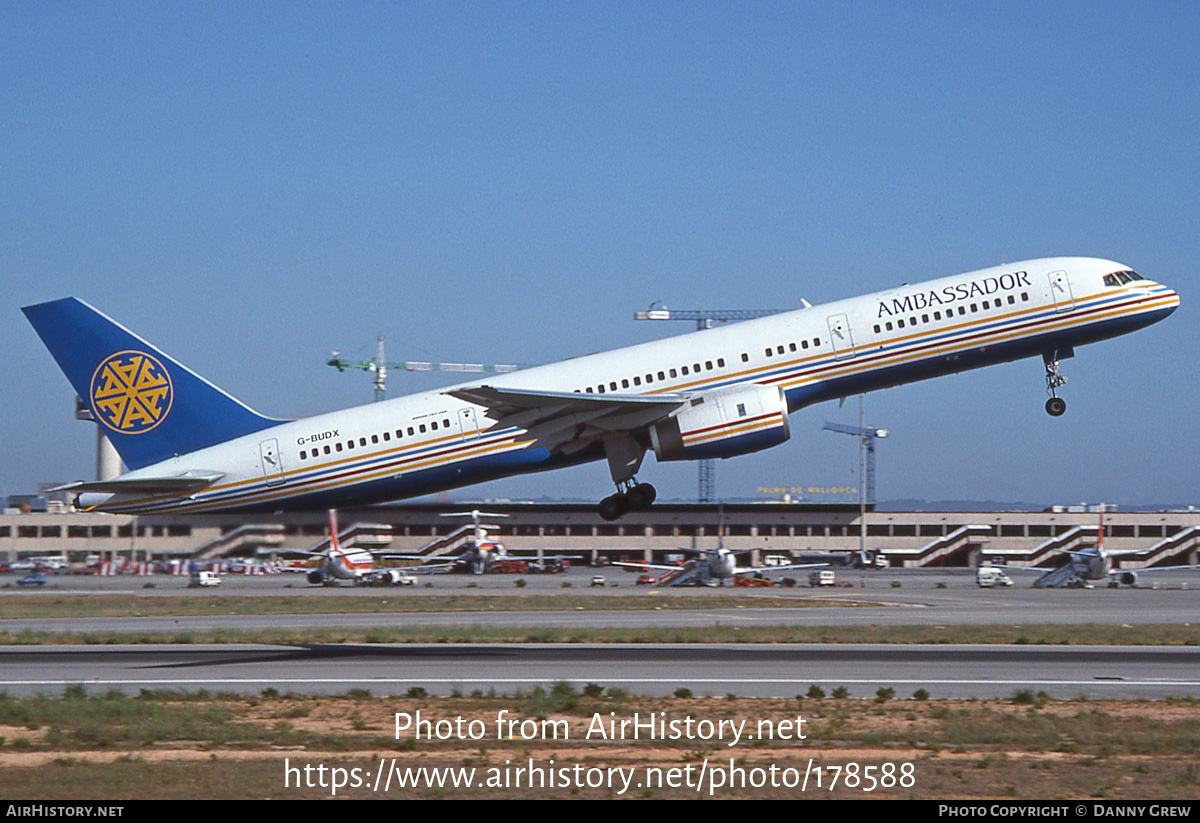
{"points": [[380, 365]]}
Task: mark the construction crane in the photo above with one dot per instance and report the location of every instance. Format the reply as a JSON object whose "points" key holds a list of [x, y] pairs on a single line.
{"points": [[706, 482], [380, 365], [867, 436]]}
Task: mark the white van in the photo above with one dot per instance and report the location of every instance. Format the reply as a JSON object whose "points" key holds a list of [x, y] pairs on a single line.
{"points": [[206, 579], [988, 577], [822, 578]]}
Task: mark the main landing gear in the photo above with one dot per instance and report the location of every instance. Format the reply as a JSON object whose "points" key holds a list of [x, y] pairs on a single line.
{"points": [[625, 455], [1055, 406], [631, 496]]}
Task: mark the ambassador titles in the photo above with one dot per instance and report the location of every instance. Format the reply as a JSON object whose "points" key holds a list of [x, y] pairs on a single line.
{"points": [[953, 294]]}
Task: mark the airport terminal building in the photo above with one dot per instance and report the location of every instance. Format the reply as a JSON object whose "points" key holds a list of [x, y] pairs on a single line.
{"points": [[795, 531]]}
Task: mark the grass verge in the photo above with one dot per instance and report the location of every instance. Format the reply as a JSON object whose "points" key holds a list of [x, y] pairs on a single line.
{"points": [[1038, 635], [202, 745]]}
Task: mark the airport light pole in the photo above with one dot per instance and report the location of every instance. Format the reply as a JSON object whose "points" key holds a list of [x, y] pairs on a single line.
{"points": [[867, 435]]}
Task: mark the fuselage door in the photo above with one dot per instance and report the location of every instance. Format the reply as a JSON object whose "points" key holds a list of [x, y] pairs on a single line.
{"points": [[840, 336], [1060, 290], [468, 423], [272, 464]]}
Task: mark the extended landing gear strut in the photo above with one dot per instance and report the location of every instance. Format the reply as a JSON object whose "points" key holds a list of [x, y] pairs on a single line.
{"points": [[632, 496], [1055, 406], [624, 457]]}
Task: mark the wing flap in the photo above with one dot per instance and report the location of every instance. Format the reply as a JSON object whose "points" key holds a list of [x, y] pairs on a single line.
{"points": [[570, 421]]}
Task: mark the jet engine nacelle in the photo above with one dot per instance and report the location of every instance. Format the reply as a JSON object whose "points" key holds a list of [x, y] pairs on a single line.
{"points": [[316, 577], [1129, 578], [724, 424]]}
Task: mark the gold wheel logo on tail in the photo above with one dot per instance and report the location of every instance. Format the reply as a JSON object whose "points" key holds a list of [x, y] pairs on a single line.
{"points": [[131, 392]]}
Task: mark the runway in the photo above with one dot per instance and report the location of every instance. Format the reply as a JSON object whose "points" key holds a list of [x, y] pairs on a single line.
{"points": [[708, 669]]}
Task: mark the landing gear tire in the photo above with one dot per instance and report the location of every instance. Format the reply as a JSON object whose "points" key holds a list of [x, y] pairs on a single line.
{"points": [[641, 497], [1055, 406], [614, 506]]}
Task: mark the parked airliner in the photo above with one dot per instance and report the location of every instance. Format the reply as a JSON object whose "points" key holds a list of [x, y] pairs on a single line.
{"points": [[716, 393]]}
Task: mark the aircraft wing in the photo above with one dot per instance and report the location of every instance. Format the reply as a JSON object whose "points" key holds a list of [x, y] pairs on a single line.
{"points": [[1149, 569], [769, 569], [646, 566], [176, 484], [570, 421], [432, 568]]}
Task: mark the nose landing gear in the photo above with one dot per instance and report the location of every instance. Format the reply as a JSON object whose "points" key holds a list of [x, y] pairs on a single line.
{"points": [[1055, 406]]}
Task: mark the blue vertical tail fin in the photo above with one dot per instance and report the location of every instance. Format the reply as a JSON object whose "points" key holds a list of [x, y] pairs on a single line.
{"points": [[150, 406]]}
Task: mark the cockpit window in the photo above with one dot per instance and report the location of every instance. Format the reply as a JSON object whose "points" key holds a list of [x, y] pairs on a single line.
{"points": [[1121, 277]]}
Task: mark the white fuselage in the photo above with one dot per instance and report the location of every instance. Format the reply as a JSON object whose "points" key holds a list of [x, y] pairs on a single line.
{"points": [[431, 441]]}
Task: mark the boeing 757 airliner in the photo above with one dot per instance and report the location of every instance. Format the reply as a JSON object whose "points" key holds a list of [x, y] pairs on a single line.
{"points": [[717, 393]]}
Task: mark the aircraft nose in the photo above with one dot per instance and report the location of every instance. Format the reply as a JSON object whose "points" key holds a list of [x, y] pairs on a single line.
{"points": [[1170, 300]]}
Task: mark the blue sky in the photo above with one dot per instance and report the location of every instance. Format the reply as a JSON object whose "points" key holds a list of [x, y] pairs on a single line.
{"points": [[249, 185]]}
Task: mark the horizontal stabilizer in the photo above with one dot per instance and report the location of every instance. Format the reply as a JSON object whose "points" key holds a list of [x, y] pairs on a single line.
{"points": [[179, 484]]}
